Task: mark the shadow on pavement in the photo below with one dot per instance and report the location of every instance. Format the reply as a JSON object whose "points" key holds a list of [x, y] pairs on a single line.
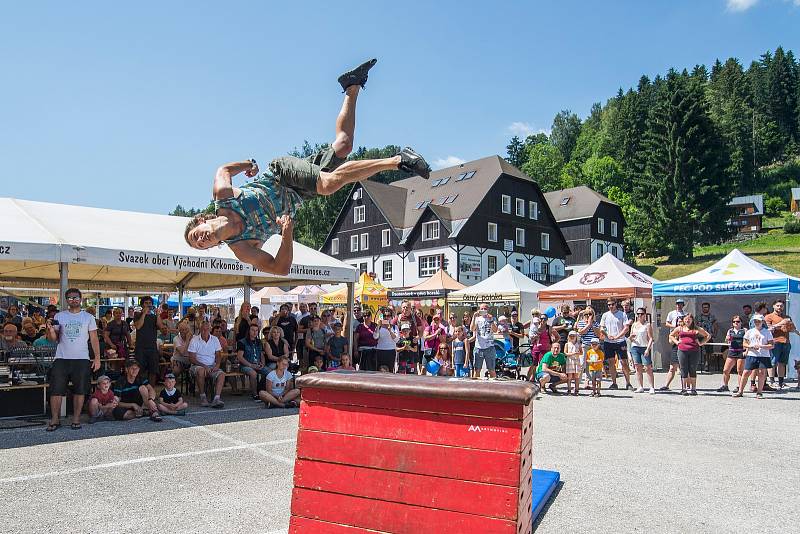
{"points": [[27, 432], [549, 503]]}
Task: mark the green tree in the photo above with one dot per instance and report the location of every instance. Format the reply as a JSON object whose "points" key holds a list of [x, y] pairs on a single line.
{"points": [[730, 107], [683, 192], [544, 165], [180, 211], [515, 152], [602, 173], [564, 132]]}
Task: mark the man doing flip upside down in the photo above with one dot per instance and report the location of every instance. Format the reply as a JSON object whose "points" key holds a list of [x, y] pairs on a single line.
{"points": [[245, 217]]}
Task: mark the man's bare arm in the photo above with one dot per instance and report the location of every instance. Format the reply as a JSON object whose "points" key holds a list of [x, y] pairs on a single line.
{"points": [[264, 261], [223, 180]]}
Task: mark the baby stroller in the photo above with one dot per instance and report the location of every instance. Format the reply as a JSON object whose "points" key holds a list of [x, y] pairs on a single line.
{"points": [[511, 364]]}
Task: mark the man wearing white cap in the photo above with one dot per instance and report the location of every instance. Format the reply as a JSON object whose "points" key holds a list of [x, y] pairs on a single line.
{"points": [[757, 344]]}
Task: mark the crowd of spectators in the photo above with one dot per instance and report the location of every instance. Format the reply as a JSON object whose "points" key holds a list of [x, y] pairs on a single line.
{"points": [[146, 349]]}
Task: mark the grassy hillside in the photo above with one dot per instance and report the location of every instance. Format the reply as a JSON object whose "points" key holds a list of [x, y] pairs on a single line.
{"points": [[776, 249]]}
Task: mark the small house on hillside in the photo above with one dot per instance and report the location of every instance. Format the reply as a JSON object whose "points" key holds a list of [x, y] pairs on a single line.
{"points": [[748, 213], [591, 223], [795, 205]]}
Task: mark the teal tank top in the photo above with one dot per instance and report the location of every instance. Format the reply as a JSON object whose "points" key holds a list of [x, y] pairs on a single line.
{"points": [[259, 205]]}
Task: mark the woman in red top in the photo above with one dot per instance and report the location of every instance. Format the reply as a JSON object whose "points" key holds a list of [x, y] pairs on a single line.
{"points": [[689, 337], [364, 345]]}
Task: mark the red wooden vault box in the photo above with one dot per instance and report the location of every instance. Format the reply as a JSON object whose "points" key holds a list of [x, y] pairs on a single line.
{"points": [[383, 453]]}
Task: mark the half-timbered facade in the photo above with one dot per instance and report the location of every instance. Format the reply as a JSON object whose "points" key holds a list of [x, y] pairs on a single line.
{"points": [[475, 217], [591, 223]]}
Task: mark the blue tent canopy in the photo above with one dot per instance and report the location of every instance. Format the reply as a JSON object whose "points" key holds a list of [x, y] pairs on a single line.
{"points": [[735, 274]]}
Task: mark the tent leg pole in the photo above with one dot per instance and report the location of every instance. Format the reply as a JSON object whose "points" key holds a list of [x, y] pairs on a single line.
{"points": [[180, 301], [63, 272], [247, 292], [348, 313]]}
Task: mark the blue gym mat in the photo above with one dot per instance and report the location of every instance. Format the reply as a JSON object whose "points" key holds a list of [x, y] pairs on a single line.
{"points": [[543, 484]]}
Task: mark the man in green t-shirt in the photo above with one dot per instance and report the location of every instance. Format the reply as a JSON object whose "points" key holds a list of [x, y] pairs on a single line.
{"points": [[551, 368]]}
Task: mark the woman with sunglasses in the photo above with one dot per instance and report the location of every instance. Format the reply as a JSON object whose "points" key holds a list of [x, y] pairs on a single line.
{"points": [[641, 349], [689, 337], [735, 340]]}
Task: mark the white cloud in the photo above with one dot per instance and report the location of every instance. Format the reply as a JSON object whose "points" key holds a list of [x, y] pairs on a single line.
{"points": [[449, 161], [524, 129], [741, 5]]}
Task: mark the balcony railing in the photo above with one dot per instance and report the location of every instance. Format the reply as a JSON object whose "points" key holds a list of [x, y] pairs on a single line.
{"points": [[546, 278]]}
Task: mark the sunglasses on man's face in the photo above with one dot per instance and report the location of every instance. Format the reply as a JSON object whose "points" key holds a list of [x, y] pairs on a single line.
{"points": [[74, 297], [737, 321]]}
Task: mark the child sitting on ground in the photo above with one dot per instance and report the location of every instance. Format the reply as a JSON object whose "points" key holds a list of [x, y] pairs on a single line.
{"points": [[594, 359], [444, 359], [335, 347], [346, 363], [170, 400], [102, 402], [319, 363], [279, 389]]}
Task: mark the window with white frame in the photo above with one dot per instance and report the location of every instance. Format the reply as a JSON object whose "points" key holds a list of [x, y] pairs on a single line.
{"points": [[533, 209], [364, 241], [353, 243], [601, 225], [614, 251], [545, 241], [359, 214], [430, 230], [520, 237], [520, 207], [386, 238], [387, 270], [505, 204], [334, 246], [520, 265], [428, 265], [492, 234], [614, 229], [491, 265], [599, 249], [362, 268]]}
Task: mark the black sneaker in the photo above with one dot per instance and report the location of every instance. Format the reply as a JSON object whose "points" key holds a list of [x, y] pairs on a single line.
{"points": [[767, 387], [357, 76], [628, 386], [684, 393], [412, 162], [723, 388], [693, 393], [613, 386], [663, 388]]}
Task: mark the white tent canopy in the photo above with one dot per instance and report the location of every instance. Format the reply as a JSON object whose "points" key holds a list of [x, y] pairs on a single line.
{"points": [[307, 294], [607, 277], [506, 285], [133, 252]]}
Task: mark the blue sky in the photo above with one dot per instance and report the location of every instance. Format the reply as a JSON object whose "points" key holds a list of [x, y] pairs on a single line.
{"points": [[134, 106]]}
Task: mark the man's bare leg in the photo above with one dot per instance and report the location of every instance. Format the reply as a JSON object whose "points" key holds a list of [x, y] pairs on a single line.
{"points": [[354, 171], [346, 123]]}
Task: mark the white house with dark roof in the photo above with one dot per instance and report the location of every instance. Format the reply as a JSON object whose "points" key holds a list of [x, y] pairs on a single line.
{"points": [[475, 217], [591, 223]]}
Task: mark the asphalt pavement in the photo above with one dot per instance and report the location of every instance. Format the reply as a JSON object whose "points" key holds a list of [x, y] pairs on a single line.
{"points": [[628, 462]]}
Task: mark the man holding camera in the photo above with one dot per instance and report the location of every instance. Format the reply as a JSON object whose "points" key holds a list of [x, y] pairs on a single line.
{"points": [[484, 326], [73, 330], [147, 324]]}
